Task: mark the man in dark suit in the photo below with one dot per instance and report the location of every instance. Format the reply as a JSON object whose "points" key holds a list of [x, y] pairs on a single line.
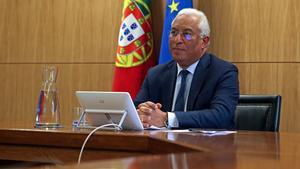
{"points": [[194, 90]]}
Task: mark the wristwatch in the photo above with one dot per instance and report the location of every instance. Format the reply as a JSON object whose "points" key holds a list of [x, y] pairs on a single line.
{"points": [[166, 122]]}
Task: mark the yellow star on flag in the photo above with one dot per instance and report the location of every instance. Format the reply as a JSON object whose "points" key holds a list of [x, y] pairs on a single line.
{"points": [[173, 6]]}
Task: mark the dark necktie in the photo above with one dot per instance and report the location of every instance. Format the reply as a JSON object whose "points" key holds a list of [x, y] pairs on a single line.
{"points": [[180, 100]]}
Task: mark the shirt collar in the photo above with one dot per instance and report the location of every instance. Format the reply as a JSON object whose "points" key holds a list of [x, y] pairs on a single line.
{"points": [[191, 68]]}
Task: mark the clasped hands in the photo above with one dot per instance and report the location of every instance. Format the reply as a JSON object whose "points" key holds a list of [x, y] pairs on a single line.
{"points": [[151, 115]]}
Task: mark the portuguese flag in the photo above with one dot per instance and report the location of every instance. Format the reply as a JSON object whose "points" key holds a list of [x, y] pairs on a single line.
{"points": [[135, 47]]}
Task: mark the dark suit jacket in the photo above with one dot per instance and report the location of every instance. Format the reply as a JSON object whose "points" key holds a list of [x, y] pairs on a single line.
{"points": [[213, 95]]}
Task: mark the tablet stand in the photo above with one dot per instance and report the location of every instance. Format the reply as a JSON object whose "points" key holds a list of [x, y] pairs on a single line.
{"points": [[108, 114]]}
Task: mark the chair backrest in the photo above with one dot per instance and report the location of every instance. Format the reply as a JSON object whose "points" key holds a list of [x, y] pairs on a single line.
{"points": [[258, 112]]}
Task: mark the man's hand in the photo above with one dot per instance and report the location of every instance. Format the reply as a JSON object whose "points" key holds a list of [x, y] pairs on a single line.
{"points": [[150, 114]]}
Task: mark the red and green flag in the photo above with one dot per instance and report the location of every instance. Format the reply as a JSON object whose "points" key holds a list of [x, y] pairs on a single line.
{"points": [[135, 47]]}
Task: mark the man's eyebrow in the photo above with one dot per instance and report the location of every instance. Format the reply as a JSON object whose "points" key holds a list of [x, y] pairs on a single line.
{"points": [[185, 30], [188, 29]]}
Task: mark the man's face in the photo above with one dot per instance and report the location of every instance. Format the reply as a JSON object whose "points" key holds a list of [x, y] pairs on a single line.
{"points": [[185, 42]]}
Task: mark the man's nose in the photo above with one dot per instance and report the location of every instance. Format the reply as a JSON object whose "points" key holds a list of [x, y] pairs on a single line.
{"points": [[178, 38]]}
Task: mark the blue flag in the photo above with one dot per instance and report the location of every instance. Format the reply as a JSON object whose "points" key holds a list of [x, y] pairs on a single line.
{"points": [[172, 8]]}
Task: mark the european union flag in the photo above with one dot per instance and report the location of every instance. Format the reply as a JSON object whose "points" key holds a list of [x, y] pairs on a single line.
{"points": [[172, 8]]}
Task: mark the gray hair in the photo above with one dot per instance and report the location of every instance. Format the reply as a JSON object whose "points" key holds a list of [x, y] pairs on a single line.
{"points": [[203, 25]]}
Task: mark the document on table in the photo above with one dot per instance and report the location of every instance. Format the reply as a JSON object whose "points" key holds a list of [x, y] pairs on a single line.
{"points": [[211, 132], [206, 132]]}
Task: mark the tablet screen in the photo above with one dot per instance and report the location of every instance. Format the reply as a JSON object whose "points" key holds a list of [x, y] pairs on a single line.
{"points": [[103, 107]]}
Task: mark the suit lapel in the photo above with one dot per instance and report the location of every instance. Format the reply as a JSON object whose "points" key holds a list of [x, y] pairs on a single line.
{"points": [[198, 79], [169, 80]]}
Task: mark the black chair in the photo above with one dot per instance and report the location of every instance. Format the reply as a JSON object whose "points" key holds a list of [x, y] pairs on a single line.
{"points": [[258, 113]]}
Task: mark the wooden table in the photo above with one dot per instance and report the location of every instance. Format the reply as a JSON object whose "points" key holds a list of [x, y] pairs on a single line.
{"points": [[151, 149]]}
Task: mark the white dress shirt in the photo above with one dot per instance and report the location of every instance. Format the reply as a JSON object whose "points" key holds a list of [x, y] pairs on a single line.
{"points": [[172, 119]]}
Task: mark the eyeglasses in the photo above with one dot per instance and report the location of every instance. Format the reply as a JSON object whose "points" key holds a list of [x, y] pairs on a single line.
{"points": [[186, 35]]}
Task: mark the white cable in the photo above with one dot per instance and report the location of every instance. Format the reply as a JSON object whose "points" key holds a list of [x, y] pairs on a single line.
{"points": [[87, 138]]}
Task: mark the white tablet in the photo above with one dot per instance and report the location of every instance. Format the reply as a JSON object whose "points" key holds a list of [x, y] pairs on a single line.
{"points": [[106, 107]]}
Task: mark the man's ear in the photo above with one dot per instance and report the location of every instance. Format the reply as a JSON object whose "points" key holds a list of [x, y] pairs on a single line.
{"points": [[206, 42]]}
